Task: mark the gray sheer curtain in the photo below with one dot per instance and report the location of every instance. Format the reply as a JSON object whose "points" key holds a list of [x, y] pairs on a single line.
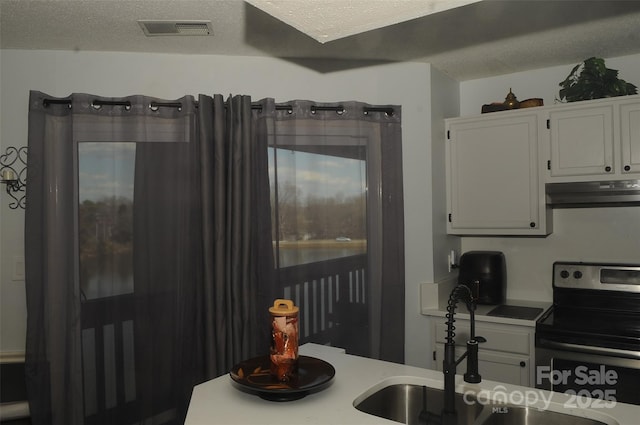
{"points": [[235, 186], [199, 257], [340, 254]]}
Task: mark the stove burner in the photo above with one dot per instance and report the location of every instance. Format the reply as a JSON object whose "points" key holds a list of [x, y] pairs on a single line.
{"points": [[515, 312]]}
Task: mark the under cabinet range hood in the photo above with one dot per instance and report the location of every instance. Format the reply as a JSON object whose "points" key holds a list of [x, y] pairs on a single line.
{"points": [[615, 193]]}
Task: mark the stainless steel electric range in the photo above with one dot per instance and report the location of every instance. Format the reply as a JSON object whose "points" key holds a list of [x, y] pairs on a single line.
{"points": [[588, 342]]}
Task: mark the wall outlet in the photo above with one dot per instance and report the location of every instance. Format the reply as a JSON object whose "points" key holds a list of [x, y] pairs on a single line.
{"points": [[452, 260], [18, 269]]}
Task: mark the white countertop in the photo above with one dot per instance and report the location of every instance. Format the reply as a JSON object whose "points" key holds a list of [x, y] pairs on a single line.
{"points": [[482, 310], [219, 402], [434, 298]]}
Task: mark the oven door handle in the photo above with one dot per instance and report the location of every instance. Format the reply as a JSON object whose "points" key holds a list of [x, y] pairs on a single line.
{"points": [[603, 351]]}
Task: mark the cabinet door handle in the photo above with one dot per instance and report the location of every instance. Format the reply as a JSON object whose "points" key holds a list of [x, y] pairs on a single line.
{"points": [[607, 168], [532, 224], [522, 364], [627, 168]]}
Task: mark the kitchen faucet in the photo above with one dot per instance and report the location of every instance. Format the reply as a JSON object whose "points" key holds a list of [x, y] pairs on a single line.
{"points": [[460, 292]]}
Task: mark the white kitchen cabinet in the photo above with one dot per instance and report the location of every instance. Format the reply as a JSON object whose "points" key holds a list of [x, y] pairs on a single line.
{"points": [[630, 137], [494, 182], [497, 164], [594, 140], [507, 356], [581, 140]]}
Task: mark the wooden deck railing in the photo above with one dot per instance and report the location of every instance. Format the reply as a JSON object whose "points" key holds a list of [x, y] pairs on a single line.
{"points": [[108, 353], [332, 296]]}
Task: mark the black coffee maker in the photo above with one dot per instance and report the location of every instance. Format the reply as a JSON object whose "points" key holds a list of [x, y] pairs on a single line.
{"points": [[485, 273]]}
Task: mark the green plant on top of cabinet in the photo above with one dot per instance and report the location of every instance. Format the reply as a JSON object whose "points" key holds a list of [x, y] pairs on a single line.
{"points": [[494, 184], [591, 79]]}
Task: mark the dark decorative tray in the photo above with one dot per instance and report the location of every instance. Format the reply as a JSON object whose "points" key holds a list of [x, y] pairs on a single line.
{"points": [[494, 107], [253, 376]]}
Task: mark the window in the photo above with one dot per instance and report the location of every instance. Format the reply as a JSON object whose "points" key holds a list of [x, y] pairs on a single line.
{"points": [[318, 206], [337, 223], [322, 216], [105, 191]]}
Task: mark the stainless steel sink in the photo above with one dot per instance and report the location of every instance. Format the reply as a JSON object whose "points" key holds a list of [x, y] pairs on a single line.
{"points": [[405, 403], [519, 415]]}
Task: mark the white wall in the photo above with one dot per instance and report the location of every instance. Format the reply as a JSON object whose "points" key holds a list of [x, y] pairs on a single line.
{"points": [[425, 204], [60, 73], [595, 234], [432, 212], [444, 104]]}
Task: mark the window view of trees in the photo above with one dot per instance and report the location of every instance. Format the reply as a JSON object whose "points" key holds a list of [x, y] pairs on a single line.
{"points": [[311, 217], [106, 226], [318, 212], [106, 218], [319, 207]]}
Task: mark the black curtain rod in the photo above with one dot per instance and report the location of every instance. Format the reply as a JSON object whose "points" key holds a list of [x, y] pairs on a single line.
{"points": [[178, 105], [338, 108], [127, 104], [387, 110]]}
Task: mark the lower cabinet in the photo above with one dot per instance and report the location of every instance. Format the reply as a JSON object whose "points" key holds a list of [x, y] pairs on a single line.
{"points": [[507, 356]]}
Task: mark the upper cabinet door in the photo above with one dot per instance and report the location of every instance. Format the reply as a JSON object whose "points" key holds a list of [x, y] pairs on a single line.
{"points": [[493, 184], [581, 141], [630, 137]]}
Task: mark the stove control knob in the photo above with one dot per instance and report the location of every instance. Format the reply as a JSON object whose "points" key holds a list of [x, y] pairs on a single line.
{"points": [[577, 274], [564, 274]]}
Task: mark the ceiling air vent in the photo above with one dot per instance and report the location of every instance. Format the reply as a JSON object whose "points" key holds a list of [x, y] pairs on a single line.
{"points": [[156, 28]]}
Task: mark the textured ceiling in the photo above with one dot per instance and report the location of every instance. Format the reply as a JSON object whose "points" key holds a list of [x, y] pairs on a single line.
{"points": [[329, 20], [476, 40]]}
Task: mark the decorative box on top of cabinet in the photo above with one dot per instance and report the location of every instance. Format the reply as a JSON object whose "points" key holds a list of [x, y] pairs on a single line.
{"points": [[494, 181], [594, 140]]}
